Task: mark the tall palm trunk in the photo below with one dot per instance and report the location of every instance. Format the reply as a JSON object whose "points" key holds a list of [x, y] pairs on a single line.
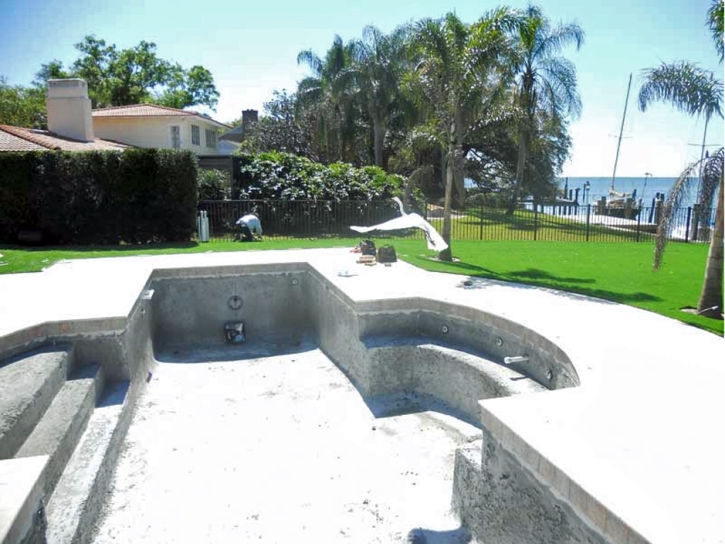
{"points": [[447, 254], [378, 139], [711, 301], [458, 158], [520, 169]]}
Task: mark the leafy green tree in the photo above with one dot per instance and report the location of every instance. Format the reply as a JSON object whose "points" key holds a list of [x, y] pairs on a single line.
{"points": [[121, 77], [282, 128], [696, 92], [51, 70], [454, 66], [188, 88], [95, 67], [214, 184], [21, 106], [544, 80]]}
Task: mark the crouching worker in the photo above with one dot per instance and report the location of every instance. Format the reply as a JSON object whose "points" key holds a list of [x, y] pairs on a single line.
{"points": [[250, 228]]}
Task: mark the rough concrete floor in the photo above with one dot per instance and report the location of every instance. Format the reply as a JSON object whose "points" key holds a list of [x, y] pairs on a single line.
{"points": [[279, 449]]}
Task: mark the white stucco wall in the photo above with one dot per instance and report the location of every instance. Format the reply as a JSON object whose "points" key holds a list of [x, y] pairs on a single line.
{"points": [[69, 109], [153, 131]]}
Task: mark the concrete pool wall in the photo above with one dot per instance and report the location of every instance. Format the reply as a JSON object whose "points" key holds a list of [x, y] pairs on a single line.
{"points": [[533, 477], [451, 353], [58, 499]]}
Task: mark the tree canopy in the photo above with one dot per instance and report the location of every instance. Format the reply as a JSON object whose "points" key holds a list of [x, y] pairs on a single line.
{"points": [[115, 77], [438, 101]]}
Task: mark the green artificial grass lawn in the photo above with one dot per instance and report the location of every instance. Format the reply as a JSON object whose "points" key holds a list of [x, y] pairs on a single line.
{"points": [[621, 272]]}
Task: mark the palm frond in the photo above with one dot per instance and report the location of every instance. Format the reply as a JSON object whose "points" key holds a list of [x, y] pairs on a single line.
{"points": [[560, 74], [665, 223], [558, 38], [311, 60], [710, 175], [335, 59], [712, 169], [309, 89], [684, 85], [715, 22]]}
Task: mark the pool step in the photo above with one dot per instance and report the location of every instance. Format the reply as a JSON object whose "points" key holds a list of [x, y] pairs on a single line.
{"points": [[28, 384], [63, 423], [458, 378], [76, 503]]}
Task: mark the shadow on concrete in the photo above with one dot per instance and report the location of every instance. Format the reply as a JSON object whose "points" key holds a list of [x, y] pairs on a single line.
{"points": [[254, 349], [115, 394], [556, 286], [410, 402], [427, 536]]}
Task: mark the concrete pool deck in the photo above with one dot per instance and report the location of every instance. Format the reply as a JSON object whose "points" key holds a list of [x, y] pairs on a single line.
{"points": [[636, 447]]}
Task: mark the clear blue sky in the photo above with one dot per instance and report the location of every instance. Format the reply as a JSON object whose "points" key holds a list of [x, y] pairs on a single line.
{"points": [[251, 49]]}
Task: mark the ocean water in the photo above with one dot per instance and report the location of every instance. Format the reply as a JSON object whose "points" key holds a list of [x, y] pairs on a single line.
{"points": [[599, 187], [646, 188]]}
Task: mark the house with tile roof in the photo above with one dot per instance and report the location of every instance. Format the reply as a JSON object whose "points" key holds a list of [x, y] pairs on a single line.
{"points": [[149, 125], [73, 126], [29, 139], [69, 123]]}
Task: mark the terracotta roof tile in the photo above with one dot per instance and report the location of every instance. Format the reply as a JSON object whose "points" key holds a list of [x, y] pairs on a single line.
{"points": [[140, 110], [149, 110], [10, 142], [28, 139]]}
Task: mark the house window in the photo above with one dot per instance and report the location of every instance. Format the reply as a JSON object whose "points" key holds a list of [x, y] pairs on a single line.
{"points": [[175, 137], [195, 135], [211, 138]]}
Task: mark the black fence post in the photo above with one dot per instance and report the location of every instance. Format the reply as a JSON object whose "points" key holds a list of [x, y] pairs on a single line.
{"points": [[480, 213], [687, 226], [589, 213], [536, 219], [639, 222]]}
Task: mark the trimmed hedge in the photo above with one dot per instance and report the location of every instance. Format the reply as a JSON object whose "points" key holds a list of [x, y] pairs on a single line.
{"points": [[99, 197], [283, 176]]}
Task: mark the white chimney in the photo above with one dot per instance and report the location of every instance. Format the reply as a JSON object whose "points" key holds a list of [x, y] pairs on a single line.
{"points": [[69, 109]]}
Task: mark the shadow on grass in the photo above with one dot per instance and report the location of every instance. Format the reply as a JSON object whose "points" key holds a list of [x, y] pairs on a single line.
{"points": [[99, 248], [570, 290], [573, 288], [536, 274], [456, 267]]}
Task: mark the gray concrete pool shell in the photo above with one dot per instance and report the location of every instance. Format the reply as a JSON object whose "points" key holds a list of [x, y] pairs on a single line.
{"points": [[502, 490]]}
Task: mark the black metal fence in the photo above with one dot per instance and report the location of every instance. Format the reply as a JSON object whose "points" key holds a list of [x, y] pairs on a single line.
{"points": [[286, 219], [296, 218]]}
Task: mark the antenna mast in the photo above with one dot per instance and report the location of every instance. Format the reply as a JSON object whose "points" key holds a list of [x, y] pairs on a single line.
{"points": [[621, 129]]}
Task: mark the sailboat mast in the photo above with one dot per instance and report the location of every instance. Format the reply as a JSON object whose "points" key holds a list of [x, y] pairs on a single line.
{"points": [[621, 129]]}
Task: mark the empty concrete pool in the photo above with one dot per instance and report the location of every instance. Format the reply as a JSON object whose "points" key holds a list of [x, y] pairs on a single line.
{"points": [[267, 438], [263, 396]]}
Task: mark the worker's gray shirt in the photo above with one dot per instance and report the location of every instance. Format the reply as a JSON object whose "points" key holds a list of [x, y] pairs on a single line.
{"points": [[252, 222]]}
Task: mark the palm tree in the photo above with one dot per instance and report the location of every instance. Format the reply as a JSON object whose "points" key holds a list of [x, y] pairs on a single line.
{"points": [[322, 93], [544, 80], [711, 180], [455, 64], [375, 73], [695, 91]]}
